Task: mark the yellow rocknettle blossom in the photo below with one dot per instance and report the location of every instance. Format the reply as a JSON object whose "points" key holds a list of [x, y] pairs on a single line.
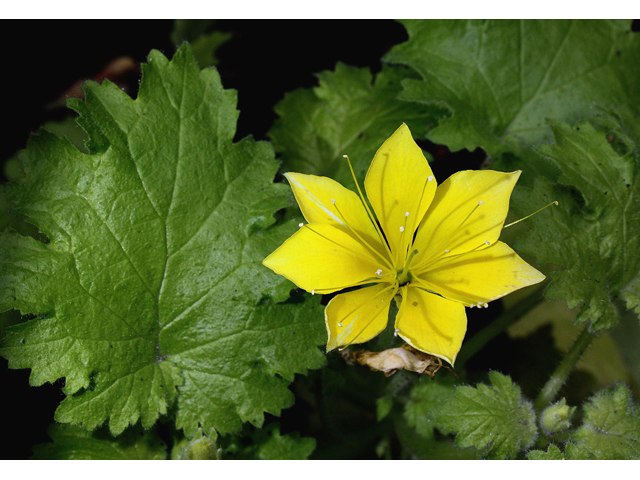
{"points": [[436, 247]]}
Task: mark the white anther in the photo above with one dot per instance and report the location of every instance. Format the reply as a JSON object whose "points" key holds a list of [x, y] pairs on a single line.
{"points": [[313, 292], [402, 229], [301, 224], [379, 272], [345, 156], [333, 201], [406, 214], [430, 178], [446, 251], [487, 242], [339, 324], [395, 334], [480, 202]]}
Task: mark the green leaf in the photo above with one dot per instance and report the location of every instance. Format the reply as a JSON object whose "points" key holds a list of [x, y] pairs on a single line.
{"points": [[593, 231], [571, 452], [496, 419], [502, 79], [383, 407], [150, 291], [349, 113], [73, 443], [286, 447], [552, 453], [269, 444], [429, 449], [425, 395], [611, 426], [574, 452]]}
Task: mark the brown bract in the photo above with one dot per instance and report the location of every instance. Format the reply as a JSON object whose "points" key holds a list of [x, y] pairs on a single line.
{"points": [[393, 359]]}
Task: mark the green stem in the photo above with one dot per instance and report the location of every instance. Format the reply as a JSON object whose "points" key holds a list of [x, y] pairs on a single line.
{"points": [[488, 333], [557, 379]]}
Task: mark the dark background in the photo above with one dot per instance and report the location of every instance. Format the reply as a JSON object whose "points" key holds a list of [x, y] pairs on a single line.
{"points": [[263, 60]]}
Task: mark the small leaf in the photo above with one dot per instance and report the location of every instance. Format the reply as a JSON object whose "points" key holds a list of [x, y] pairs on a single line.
{"points": [[494, 418], [611, 428], [73, 443], [425, 395], [269, 444], [383, 407], [349, 113], [552, 453], [286, 447], [574, 452]]}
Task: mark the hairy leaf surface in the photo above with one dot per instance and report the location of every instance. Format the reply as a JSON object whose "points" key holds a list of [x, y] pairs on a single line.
{"points": [[495, 419], [593, 233], [611, 427]]}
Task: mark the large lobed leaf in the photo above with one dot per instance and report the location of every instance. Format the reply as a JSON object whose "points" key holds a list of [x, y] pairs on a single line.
{"points": [[593, 233], [502, 79], [151, 291], [495, 419]]}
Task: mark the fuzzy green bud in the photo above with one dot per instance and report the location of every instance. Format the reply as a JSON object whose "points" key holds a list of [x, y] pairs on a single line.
{"points": [[556, 417]]}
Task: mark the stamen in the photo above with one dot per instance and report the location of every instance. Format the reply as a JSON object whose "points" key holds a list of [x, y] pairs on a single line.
{"points": [[340, 325], [313, 292], [447, 251], [555, 202], [487, 242], [396, 331], [333, 201], [430, 178], [301, 224], [480, 202], [379, 272], [364, 242], [406, 214], [366, 207], [402, 229]]}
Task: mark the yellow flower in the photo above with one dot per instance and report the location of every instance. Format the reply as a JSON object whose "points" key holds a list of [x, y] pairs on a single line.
{"points": [[435, 246]]}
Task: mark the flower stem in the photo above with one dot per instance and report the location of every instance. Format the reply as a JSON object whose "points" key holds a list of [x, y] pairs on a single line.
{"points": [[488, 333], [557, 379]]}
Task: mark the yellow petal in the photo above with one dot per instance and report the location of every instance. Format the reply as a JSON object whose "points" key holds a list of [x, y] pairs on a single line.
{"points": [[481, 276], [430, 323], [467, 211], [400, 182], [325, 258], [323, 200], [358, 316]]}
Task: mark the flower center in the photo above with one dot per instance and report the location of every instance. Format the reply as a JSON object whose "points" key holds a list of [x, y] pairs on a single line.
{"points": [[404, 276]]}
